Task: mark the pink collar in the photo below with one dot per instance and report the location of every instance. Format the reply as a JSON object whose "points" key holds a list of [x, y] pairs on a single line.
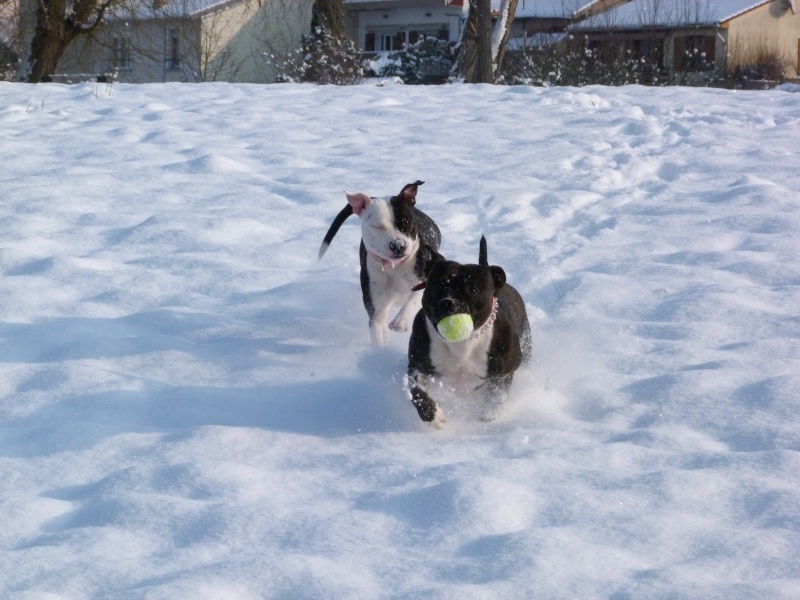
{"points": [[476, 333]]}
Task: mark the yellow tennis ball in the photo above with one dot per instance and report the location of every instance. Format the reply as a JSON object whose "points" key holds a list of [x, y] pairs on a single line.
{"points": [[455, 328]]}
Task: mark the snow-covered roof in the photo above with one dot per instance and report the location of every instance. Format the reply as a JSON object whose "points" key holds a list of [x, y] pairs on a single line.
{"points": [[637, 14], [171, 9], [525, 8], [547, 9], [397, 3]]}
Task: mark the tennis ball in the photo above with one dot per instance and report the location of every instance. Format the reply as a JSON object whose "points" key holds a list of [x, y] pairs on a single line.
{"points": [[455, 328]]}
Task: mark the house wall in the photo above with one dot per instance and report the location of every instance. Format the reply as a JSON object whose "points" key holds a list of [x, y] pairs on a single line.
{"points": [[148, 49], [270, 36], [225, 52], [772, 26]]}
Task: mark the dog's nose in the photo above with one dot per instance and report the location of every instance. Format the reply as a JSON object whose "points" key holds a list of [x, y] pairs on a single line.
{"points": [[447, 305], [398, 247]]}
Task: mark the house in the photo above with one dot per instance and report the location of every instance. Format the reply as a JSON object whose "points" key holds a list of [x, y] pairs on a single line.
{"points": [[151, 41], [700, 40], [386, 25], [534, 17]]}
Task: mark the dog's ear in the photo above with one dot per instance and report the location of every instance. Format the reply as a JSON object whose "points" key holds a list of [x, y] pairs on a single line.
{"points": [[358, 201], [483, 253], [409, 192], [429, 256], [499, 276]]}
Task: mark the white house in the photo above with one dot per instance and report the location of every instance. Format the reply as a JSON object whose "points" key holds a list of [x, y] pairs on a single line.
{"points": [[383, 25]]}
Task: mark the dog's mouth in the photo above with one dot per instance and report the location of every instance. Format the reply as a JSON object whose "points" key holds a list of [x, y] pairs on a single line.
{"points": [[458, 327], [387, 263]]}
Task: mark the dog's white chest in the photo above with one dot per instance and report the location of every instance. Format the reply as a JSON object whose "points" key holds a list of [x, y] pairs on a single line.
{"points": [[464, 363]]}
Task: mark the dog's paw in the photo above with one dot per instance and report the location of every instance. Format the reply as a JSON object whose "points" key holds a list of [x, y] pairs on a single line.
{"points": [[439, 419], [491, 411], [398, 324], [430, 412]]}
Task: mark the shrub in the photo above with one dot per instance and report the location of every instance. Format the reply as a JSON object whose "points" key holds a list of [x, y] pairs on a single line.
{"points": [[9, 61], [324, 58], [566, 60], [427, 61], [757, 60]]}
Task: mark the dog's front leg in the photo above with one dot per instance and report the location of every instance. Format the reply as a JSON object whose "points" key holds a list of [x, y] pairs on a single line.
{"points": [[429, 411], [495, 394], [378, 328], [407, 312]]}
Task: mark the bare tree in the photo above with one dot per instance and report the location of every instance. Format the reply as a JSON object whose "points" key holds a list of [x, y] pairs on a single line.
{"points": [[57, 24], [330, 15]]}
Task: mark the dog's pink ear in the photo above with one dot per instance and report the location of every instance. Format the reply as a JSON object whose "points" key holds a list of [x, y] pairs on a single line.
{"points": [[358, 201]]}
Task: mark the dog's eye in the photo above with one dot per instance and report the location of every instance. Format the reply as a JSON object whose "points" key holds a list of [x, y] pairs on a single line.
{"points": [[473, 290]]}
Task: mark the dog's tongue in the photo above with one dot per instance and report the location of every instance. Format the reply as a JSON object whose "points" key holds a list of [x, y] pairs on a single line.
{"points": [[386, 263]]}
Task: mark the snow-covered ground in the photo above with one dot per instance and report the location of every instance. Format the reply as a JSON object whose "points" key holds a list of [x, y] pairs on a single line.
{"points": [[191, 408]]}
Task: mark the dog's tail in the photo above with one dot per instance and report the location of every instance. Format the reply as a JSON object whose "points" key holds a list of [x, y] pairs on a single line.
{"points": [[337, 222], [483, 254]]}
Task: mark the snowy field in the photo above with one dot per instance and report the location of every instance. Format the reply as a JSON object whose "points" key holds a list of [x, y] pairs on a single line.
{"points": [[190, 407]]}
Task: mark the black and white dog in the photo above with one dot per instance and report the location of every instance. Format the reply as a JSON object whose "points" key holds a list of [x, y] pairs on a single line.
{"points": [[472, 333], [392, 232]]}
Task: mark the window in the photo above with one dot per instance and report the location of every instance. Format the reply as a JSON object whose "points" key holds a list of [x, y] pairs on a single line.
{"points": [[120, 53], [415, 35], [694, 53], [369, 42], [393, 41], [174, 56], [384, 38]]}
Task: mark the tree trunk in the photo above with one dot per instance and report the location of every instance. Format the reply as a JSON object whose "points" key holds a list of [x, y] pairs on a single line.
{"points": [[480, 54], [467, 49], [50, 39], [501, 32], [56, 28], [483, 72]]}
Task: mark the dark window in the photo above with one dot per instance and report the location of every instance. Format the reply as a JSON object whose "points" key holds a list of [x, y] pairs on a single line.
{"points": [[369, 43], [174, 60], [694, 53], [121, 53]]}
